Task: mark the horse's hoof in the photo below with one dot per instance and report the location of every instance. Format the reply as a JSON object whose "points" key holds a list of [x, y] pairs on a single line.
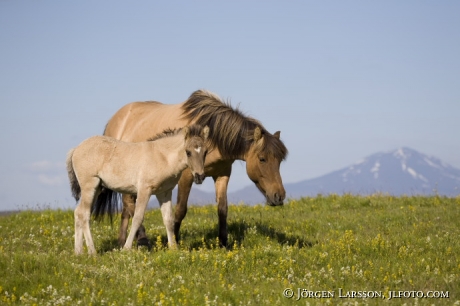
{"points": [[144, 242], [121, 243]]}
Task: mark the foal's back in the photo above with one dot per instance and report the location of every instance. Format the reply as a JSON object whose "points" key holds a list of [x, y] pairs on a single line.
{"points": [[94, 152], [115, 162]]}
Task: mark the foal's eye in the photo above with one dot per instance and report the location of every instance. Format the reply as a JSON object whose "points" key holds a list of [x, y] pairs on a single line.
{"points": [[262, 159], [188, 153]]}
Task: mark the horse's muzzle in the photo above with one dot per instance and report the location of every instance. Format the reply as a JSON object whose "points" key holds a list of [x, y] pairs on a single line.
{"points": [[275, 200], [199, 178]]}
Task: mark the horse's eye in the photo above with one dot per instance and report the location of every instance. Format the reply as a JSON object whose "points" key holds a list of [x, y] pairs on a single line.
{"points": [[188, 153], [262, 159]]}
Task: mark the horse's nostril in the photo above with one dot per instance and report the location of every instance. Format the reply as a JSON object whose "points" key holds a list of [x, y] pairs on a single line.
{"points": [[278, 198]]}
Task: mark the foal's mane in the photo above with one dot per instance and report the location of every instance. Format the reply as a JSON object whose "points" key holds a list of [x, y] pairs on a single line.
{"points": [[229, 129], [193, 130]]}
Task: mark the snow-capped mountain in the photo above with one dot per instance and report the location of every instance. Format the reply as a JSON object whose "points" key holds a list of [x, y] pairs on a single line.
{"points": [[399, 172]]}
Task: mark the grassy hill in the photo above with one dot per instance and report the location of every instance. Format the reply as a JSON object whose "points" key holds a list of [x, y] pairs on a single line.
{"points": [[322, 250]]}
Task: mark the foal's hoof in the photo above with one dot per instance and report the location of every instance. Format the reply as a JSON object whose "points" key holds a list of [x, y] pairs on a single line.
{"points": [[144, 242]]}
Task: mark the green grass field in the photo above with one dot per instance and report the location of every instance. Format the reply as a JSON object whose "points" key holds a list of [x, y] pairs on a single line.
{"points": [[327, 250]]}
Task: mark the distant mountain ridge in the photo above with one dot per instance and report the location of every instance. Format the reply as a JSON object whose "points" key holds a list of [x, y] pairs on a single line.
{"points": [[399, 172]]}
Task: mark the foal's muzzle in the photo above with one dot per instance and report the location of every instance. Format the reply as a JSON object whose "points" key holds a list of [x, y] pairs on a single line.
{"points": [[199, 178]]}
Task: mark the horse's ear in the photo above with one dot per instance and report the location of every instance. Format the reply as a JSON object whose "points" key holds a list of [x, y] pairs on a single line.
{"points": [[277, 134], [257, 134], [205, 133], [186, 132]]}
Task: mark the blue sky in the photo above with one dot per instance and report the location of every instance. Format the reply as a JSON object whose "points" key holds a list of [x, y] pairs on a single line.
{"points": [[340, 79]]}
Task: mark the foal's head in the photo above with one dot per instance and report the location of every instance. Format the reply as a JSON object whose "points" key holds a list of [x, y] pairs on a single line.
{"points": [[196, 149]]}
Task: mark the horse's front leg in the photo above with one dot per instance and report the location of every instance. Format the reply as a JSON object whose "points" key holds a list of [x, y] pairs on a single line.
{"points": [[142, 200], [221, 183], [129, 204], [168, 215], [183, 191]]}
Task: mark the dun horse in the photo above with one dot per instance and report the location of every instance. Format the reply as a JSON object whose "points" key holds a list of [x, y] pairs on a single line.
{"points": [[232, 135], [142, 169]]}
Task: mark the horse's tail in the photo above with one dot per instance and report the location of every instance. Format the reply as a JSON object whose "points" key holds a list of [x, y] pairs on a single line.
{"points": [[74, 185], [106, 204], [108, 201]]}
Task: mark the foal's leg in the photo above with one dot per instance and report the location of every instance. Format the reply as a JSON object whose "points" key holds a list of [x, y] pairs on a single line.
{"points": [[127, 212], [168, 216], [82, 214], [221, 183], [79, 215], [183, 191], [142, 200]]}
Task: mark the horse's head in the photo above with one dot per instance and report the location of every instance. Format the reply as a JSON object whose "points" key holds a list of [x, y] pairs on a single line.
{"points": [[263, 165], [196, 149]]}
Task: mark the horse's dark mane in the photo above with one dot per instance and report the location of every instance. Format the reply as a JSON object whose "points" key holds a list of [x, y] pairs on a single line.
{"points": [[229, 129], [193, 130]]}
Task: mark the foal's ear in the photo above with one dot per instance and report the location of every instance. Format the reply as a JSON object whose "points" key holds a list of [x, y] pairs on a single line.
{"points": [[277, 134], [186, 132], [205, 133], [257, 134]]}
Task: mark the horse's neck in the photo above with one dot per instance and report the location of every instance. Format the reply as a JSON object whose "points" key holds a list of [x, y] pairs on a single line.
{"points": [[243, 155], [224, 151], [173, 150]]}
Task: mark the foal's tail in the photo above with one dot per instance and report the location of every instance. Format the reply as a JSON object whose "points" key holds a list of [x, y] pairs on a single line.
{"points": [[106, 204], [74, 185]]}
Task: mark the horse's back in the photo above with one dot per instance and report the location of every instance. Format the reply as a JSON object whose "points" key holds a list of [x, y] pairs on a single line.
{"points": [[139, 121]]}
